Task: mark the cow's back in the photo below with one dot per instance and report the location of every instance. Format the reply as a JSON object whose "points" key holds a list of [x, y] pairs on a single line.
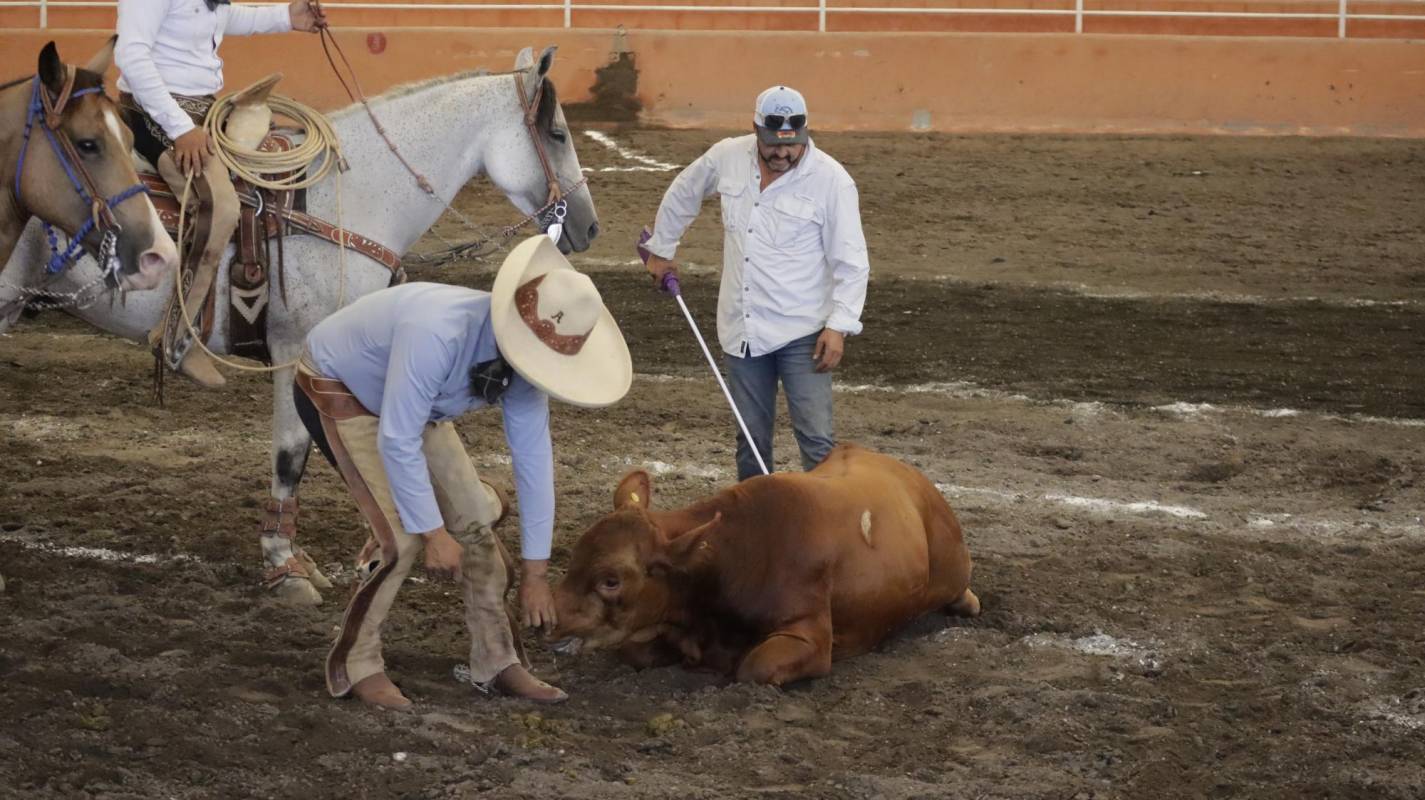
{"points": [[887, 538]]}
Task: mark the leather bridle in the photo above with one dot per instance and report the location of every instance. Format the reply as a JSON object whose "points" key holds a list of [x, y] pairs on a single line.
{"points": [[101, 209], [555, 198]]}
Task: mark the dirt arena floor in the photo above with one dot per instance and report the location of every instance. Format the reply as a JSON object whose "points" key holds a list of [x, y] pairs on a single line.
{"points": [[1173, 387]]}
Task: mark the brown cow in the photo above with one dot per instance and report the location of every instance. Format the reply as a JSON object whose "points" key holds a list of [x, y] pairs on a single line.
{"points": [[771, 579]]}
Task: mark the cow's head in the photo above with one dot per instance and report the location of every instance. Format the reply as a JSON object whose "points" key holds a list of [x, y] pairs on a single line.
{"points": [[624, 580]]}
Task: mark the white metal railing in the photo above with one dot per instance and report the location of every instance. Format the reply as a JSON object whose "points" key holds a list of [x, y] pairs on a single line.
{"points": [[1342, 14]]}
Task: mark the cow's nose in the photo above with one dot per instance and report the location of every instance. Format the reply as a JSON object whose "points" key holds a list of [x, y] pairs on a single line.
{"points": [[593, 231]]}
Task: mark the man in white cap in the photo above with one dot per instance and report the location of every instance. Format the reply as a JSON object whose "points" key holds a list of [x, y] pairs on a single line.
{"points": [[794, 269], [378, 386]]}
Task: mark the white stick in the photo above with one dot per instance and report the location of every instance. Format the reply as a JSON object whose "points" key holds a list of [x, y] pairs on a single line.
{"points": [[718, 374]]}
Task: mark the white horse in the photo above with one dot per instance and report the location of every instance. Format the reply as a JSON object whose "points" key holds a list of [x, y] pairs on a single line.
{"points": [[451, 130]]}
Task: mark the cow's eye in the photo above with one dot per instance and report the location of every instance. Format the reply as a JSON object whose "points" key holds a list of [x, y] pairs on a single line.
{"points": [[609, 584], [88, 147]]}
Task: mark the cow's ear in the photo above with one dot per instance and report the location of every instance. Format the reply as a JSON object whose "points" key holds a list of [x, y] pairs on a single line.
{"points": [[685, 553], [634, 491]]}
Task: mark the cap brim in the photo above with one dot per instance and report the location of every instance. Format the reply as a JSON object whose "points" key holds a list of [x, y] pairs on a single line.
{"points": [[773, 138], [602, 371]]}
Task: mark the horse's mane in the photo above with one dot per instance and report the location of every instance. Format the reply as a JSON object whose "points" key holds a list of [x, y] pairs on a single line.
{"points": [[544, 115], [83, 79]]}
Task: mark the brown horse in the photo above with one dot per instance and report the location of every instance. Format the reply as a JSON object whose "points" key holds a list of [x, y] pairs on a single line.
{"points": [[65, 158]]}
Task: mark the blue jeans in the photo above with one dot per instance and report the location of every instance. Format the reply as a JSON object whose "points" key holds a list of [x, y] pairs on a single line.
{"points": [[753, 382]]}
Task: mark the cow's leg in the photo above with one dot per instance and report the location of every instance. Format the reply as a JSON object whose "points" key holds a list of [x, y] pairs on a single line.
{"points": [[966, 605], [292, 575], [791, 653]]}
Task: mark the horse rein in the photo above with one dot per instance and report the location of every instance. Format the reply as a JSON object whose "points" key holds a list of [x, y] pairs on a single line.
{"points": [[101, 209]]}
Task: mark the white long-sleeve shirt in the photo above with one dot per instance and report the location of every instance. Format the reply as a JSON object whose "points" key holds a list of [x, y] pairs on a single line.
{"points": [[793, 257], [169, 47]]}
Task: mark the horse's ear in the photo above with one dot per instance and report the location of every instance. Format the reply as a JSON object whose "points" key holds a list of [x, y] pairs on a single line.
{"points": [[525, 59], [546, 60], [52, 71], [103, 58], [634, 491]]}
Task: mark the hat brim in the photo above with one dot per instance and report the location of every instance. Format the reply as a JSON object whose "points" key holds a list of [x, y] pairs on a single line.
{"points": [[600, 374], [773, 138]]}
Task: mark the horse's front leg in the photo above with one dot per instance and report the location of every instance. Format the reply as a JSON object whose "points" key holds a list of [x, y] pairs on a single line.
{"points": [[292, 575]]}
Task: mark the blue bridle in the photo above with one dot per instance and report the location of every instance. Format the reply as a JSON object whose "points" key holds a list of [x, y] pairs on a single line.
{"points": [[101, 210]]}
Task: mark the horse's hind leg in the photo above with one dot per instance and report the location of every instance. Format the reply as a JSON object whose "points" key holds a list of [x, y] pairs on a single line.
{"points": [[291, 575]]}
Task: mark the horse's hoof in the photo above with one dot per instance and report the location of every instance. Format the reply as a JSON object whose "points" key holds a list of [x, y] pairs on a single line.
{"points": [[297, 592], [319, 580]]}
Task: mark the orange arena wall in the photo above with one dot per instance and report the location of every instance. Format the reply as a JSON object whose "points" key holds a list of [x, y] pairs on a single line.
{"points": [[1014, 73]]}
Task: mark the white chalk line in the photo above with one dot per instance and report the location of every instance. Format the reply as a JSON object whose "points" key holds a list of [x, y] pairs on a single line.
{"points": [[1099, 505], [642, 163], [964, 390], [96, 553], [1084, 290], [1197, 409]]}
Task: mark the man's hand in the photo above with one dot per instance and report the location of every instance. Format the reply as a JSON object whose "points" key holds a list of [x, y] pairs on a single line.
{"points": [[659, 266], [191, 152], [829, 347], [536, 600], [307, 16], [443, 554]]}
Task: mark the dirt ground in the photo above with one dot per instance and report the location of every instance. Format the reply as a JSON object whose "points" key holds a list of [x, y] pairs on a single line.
{"points": [[1172, 387]]}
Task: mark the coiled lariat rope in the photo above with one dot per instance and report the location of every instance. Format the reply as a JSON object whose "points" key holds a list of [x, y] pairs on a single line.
{"points": [[259, 168]]}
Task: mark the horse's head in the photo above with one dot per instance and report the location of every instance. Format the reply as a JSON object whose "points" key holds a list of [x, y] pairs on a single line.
{"points": [[54, 177], [519, 169]]}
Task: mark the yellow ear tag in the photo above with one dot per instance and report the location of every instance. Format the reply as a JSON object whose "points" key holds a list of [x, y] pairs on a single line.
{"points": [[633, 496]]}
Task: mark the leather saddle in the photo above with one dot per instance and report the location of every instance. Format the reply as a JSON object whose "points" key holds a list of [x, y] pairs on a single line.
{"points": [[267, 216]]}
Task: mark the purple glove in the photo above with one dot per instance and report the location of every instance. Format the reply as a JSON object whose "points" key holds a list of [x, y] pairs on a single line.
{"points": [[669, 284]]}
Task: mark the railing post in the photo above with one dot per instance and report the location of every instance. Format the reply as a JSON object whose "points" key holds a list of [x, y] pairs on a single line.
{"points": [[821, 16], [568, 13], [44, 13], [1341, 21], [1078, 16]]}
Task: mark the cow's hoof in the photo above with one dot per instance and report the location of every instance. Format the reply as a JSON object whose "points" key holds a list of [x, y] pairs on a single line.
{"points": [[297, 592], [968, 605], [319, 580]]}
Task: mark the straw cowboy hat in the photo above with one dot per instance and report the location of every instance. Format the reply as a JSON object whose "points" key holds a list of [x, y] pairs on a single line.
{"points": [[552, 327]]}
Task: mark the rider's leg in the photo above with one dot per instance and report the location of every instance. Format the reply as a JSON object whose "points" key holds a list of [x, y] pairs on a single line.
{"points": [[217, 218]]}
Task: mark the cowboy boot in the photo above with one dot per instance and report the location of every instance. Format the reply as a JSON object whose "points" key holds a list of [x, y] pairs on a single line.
{"points": [[198, 366], [378, 690], [516, 681]]}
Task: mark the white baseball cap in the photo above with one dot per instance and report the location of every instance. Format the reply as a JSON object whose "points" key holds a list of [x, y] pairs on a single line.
{"points": [[785, 107]]}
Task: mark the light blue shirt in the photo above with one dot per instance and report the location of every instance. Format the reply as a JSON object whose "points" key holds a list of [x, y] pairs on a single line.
{"points": [[406, 353]]}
